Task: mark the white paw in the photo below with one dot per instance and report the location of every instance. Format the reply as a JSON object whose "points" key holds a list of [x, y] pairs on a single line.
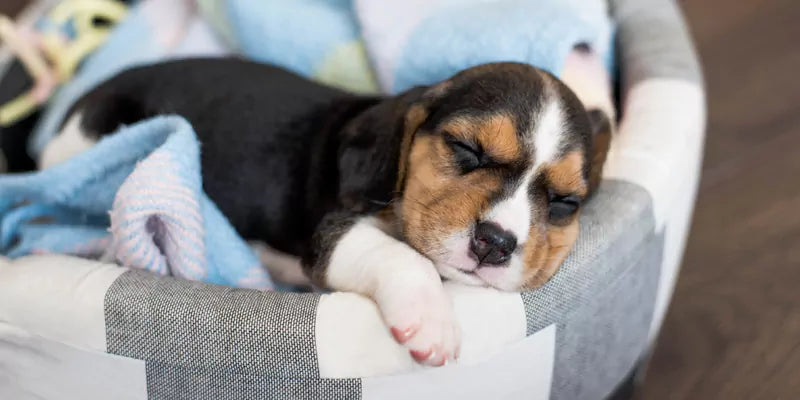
{"points": [[420, 317]]}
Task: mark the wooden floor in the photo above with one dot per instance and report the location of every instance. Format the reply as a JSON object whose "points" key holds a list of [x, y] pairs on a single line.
{"points": [[733, 330]]}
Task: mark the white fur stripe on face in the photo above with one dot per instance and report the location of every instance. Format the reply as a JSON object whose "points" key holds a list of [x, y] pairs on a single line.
{"points": [[514, 213], [548, 132]]}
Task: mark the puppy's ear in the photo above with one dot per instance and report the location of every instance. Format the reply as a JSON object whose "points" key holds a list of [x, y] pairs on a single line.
{"points": [[602, 127], [374, 148]]}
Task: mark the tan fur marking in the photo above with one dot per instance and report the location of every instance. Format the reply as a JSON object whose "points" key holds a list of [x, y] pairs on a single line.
{"points": [[544, 257], [437, 201], [414, 117], [566, 174], [497, 135]]}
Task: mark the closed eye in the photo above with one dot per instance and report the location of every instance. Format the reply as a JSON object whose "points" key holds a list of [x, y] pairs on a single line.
{"points": [[468, 156], [562, 206]]}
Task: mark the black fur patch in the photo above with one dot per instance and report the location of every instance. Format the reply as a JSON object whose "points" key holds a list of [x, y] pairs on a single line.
{"points": [[294, 163]]}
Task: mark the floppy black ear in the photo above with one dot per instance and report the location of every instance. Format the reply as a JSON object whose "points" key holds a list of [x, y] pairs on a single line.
{"points": [[373, 150], [602, 127]]}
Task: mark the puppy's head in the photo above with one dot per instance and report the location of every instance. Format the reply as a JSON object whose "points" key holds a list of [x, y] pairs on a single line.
{"points": [[494, 165]]}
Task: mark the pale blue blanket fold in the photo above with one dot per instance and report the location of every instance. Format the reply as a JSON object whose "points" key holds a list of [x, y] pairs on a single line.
{"points": [[412, 42], [419, 42], [137, 196]]}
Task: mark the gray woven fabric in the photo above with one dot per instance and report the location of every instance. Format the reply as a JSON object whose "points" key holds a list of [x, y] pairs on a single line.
{"points": [[168, 382], [603, 297], [614, 224], [215, 328], [653, 41], [599, 344]]}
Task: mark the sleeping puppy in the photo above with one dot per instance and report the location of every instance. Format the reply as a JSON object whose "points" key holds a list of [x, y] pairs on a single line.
{"points": [[477, 179]]}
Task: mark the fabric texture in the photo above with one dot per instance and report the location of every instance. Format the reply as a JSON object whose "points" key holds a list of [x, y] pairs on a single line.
{"points": [[159, 222], [148, 175], [172, 382], [653, 42], [614, 224], [318, 39], [609, 334], [603, 297], [215, 328], [660, 145], [422, 41], [57, 297], [354, 44], [521, 370], [32, 367]]}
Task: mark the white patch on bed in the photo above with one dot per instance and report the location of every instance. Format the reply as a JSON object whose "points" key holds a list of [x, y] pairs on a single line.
{"points": [[352, 340], [69, 142]]}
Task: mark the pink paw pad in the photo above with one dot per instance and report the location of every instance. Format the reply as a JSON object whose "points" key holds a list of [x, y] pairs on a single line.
{"points": [[402, 335], [421, 356]]}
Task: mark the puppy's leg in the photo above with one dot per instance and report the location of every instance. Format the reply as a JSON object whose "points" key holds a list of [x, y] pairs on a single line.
{"points": [[71, 140], [100, 112], [356, 254]]}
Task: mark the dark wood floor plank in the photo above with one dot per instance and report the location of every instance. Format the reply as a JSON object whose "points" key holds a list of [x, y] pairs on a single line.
{"points": [[745, 68], [733, 330]]}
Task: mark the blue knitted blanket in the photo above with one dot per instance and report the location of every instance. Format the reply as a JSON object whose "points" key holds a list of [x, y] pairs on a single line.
{"points": [[136, 197]]}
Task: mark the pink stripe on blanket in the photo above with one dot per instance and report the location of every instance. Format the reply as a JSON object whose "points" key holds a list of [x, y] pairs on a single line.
{"points": [[186, 215], [162, 189], [156, 221], [134, 226]]}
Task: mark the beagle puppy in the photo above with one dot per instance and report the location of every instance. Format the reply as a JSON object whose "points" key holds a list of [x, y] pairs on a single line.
{"points": [[477, 179]]}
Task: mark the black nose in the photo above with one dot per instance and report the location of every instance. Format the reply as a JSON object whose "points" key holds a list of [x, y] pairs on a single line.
{"points": [[491, 244]]}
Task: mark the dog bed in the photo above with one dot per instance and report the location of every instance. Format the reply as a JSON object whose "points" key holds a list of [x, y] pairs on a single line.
{"points": [[72, 328]]}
